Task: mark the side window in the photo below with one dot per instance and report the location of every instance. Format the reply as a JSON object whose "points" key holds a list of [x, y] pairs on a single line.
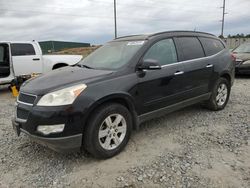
{"points": [[190, 47], [1, 54], [211, 46], [163, 51], [18, 49]]}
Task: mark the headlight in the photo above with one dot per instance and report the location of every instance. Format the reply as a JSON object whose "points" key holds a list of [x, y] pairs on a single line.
{"points": [[48, 129], [62, 97]]}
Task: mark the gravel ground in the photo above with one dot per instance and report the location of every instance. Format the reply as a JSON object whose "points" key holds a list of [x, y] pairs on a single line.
{"points": [[192, 147]]}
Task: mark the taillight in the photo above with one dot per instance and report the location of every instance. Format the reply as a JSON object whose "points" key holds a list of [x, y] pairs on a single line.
{"points": [[233, 56]]}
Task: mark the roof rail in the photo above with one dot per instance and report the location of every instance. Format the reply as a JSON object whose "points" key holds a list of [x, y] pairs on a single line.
{"points": [[159, 33], [179, 31], [130, 36]]}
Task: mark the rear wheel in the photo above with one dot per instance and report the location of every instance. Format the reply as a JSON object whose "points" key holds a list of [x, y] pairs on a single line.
{"points": [[220, 95], [108, 130]]}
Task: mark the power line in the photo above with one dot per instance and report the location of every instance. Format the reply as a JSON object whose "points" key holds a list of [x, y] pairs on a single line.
{"points": [[53, 13], [108, 3], [32, 9], [144, 18]]}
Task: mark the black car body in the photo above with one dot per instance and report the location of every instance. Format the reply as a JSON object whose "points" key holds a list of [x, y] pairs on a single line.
{"points": [[242, 54], [145, 87]]}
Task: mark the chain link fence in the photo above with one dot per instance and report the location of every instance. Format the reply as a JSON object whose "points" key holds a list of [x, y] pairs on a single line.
{"points": [[234, 42]]}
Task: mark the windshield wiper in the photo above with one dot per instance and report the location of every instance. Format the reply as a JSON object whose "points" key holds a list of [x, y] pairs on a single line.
{"points": [[84, 66]]}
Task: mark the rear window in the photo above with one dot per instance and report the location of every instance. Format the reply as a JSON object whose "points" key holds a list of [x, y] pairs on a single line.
{"points": [[211, 46], [22, 49], [190, 47]]}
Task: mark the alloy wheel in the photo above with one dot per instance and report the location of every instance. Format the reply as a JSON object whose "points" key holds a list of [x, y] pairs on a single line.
{"points": [[221, 96], [112, 131]]}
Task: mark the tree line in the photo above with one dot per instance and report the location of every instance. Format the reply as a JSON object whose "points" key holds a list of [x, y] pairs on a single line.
{"points": [[237, 36]]}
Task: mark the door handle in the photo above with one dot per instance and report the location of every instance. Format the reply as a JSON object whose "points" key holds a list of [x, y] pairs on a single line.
{"points": [[36, 59], [209, 65], [178, 73]]}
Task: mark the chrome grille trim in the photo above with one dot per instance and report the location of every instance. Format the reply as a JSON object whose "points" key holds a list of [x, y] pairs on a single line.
{"points": [[25, 103], [21, 120]]}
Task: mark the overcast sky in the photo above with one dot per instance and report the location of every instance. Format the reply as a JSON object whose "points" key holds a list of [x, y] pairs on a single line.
{"points": [[92, 20]]}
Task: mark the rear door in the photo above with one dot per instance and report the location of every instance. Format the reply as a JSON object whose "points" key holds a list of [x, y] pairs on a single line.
{"points": [[26, 59], [163, 87], [198, 70]]}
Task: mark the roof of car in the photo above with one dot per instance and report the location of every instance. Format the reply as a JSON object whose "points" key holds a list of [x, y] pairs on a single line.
{"points": [[165, 33], [11, 42]]}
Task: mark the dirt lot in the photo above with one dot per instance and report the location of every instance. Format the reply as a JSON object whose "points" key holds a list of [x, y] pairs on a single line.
{"points": [[193, 147], [84, 51]]}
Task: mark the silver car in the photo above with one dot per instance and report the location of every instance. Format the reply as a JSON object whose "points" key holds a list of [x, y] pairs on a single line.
{"points": [[242, 54]]}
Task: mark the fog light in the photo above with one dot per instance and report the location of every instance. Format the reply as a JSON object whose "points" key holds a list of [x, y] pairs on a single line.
{"points": [[48, 129]]}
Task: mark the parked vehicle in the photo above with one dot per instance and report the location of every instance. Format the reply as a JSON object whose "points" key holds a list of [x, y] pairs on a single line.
{"points": [[25, 58], [97, 103], [242, 54]]}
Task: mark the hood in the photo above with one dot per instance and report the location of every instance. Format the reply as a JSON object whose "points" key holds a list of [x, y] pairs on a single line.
{"points": [[242, 56], [60, 78]]}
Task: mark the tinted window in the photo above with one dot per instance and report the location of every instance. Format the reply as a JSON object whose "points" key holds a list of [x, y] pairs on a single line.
{"points": [[163, 51], [22, 49], [190, 47], [1, 53], [211, 46], [4, 54]]}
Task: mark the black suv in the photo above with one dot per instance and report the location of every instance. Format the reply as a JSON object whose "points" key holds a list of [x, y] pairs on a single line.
{"points": [[99, 101]]}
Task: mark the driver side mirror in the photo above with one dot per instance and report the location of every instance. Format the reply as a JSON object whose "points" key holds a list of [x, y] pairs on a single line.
{"points": [[149, 64]]}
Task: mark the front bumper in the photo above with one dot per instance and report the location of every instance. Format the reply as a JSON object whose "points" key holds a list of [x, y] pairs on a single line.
{"points": [[242, 68], [242, 71], [59, 144], [29, 117]]}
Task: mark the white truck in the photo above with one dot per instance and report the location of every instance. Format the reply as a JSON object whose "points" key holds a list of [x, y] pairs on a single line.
{"points": [[25, 58]]}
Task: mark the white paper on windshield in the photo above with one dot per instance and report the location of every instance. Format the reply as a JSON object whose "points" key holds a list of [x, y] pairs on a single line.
{"points": [[135, 43]]}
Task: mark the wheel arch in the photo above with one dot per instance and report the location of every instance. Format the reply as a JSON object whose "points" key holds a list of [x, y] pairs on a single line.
{"points": [[227, 76], [59, 65], [121, 98]]}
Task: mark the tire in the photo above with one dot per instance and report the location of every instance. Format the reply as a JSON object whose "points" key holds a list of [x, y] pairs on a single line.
{"points": [[218, 100], [103, 137]]}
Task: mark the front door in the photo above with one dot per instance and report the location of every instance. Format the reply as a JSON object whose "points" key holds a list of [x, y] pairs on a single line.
{"points": [[163, 87], [25, 59]]}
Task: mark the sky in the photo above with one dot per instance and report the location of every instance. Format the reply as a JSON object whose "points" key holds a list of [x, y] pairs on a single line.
{"points": [[93, 20]]}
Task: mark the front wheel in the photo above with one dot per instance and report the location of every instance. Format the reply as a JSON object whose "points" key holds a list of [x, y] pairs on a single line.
{"points": [[220, 95], [108, 130]]}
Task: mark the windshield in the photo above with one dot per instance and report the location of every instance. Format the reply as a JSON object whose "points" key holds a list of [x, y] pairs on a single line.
{"points": [[112, 55], [244, 48]]}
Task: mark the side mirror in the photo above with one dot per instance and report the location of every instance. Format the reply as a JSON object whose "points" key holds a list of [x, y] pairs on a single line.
{"points": [[149, 64]]}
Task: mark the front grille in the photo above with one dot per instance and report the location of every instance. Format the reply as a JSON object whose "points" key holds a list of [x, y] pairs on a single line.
{"points": [[22, 114], [238, 62], [26, 98]]}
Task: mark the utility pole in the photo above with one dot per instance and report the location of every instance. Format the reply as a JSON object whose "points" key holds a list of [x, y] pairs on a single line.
{"points": [[223, 17], [115, 19]]}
